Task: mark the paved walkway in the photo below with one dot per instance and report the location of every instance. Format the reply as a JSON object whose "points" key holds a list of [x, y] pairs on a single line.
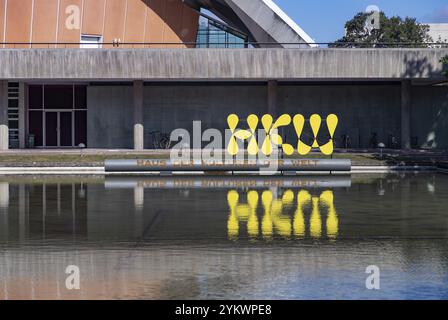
{"points": [[96, 157], [39, 152]]}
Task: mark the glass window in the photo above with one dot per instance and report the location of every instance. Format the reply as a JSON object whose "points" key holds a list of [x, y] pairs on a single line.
{"points": [[13, 124], [80, 97], [81, 128], [58, 97], [90, 42], [35, 97], [13, 103], [35, 127], [214, 34]]}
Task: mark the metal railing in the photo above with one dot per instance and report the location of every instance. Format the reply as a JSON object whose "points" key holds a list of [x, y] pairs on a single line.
{"points": [[221, 45]]}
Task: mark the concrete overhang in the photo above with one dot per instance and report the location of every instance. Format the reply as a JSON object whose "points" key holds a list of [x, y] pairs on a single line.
{"points": [[221, 64], [262, 20]]}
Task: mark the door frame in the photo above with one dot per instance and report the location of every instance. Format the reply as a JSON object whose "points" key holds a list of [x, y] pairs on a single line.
{"points": [[58, 128]]}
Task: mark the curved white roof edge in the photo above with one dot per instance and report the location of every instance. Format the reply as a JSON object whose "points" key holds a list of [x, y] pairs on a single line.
{"points": [[278, 11]]}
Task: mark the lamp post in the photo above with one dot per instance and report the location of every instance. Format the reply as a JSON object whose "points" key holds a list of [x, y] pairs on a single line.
{"points": [[381, 146]]}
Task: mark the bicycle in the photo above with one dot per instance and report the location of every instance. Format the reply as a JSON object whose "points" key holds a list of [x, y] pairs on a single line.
{"points": [[160, 140]]}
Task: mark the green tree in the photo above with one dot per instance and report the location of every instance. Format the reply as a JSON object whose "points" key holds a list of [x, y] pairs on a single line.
{"points": [[393, 32]]}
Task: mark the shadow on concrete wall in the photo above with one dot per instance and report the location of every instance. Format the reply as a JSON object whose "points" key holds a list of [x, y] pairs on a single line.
{"points": [[431, 109], [437, 135], [420, 68]]}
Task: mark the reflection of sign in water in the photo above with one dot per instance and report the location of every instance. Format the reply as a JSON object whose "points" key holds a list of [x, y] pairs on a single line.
{"points": [[276, 218]]}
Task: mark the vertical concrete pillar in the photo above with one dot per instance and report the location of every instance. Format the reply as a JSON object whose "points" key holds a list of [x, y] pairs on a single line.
{"points": [[22, 114], [138, 116], [272, 97], [406, 114], [4, 129]]}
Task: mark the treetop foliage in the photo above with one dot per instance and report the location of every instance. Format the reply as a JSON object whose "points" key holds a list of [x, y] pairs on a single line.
{"points": [[393, 32]]}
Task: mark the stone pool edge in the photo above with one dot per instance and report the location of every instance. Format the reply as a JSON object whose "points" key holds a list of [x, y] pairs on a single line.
{"points": [[100, 170]]}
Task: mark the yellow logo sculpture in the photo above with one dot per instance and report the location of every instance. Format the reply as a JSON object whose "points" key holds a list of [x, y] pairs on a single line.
{"points": [[276, 218], [273, 138]]}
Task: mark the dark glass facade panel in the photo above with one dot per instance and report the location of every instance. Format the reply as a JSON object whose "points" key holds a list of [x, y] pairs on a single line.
{"points": [[13, 103], [59, 209], [58, 97], [35, 97], [80, 128], [80, 97], [13, 124], [65, 128], [35, 127], [13, 114], [36, 224], [51, 129], [53, 211], [212, 34]]}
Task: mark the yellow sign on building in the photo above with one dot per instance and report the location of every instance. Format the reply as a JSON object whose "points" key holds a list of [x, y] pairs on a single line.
{"points": [[273, 139]]}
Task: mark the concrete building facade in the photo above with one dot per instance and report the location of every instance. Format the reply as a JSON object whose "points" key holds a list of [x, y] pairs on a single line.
{"points": [[438, 32], [112, 85]]}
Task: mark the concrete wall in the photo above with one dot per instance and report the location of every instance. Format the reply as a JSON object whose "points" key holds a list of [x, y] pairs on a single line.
{"points": [[429, 120], [110, 110], [170, 107], [362, 109], [221, 64], [110, 117]]}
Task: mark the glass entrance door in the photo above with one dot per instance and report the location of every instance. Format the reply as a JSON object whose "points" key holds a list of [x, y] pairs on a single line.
{"points": [[57, 115], [65, 129], [51, 129], [58, 129]]}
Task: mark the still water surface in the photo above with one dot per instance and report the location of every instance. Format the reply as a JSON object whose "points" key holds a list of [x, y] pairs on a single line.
{"points": [[224, 237]]}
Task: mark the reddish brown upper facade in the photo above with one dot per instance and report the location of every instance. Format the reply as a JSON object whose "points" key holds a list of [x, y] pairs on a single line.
{"points": [[67, 21]]}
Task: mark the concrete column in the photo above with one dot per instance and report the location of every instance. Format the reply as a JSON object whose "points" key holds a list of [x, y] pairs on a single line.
{"points": [[272, 98], [406, 114], [4, 129], [138, 116]]}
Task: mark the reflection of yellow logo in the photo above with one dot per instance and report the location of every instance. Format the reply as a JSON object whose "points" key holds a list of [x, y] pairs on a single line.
{"points": [[274, 139], [276, 218]]}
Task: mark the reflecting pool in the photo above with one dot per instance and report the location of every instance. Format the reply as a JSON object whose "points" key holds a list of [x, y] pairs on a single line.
{"points": [[224, 237]]}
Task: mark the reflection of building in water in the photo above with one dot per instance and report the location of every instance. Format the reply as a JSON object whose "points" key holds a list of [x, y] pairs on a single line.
{"points": [[161, 271], [4, 195], [277, 215], [45, 210], [96, 212]]}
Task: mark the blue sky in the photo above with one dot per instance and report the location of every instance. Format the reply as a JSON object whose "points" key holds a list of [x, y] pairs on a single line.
{"points": [[324, 20]]}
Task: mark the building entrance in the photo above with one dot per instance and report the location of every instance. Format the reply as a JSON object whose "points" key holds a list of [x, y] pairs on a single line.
{"points": [[59, 129], [57, 115]]}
